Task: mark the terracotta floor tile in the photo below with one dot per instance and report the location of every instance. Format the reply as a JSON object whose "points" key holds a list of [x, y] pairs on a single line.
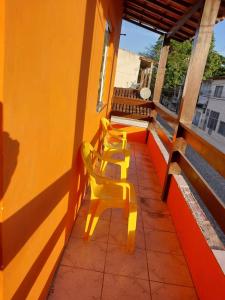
{"points": [[88, 255], [168, 268], [160, 291], [148, 191], [157, 221], [122, 288], [163, 241], [84, 210], [118, 216], [78, 284], [151, 205], [144, 160], [100, 233], [119, 262], [151, 184], [118, 235]]}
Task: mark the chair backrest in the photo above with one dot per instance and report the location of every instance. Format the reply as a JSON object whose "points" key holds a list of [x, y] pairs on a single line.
{"points": [[89, 159], [105, 127], [105, 124]]}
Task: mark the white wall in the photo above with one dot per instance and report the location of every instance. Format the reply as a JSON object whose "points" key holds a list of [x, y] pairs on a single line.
{"points": [[128, 65], [214, 104]]}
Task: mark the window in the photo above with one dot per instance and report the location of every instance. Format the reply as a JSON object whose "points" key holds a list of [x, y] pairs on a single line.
{"points": [[218, 91], [197, 118], [221, 129], [103, 67], [213, 119]]}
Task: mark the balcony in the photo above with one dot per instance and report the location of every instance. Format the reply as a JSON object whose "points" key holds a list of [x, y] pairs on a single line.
{"points": [[175, 239], [101, 268]]}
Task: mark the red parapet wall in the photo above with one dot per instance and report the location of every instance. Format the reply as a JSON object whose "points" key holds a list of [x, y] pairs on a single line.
{"points": [[157, 158], [207, 275], [134, 134]]}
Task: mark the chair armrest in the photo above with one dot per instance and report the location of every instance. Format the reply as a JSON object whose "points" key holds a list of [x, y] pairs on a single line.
{"points": [[117, 137], [118, 131]]}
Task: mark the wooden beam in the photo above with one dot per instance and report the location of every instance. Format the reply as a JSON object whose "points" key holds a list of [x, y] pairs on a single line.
{"points": [[161, 71], [204, 149], [161, 13], [198, 61], [170, 117], [211, 200], [144, 26], [170, 8], [160, 20], [185, 18]]}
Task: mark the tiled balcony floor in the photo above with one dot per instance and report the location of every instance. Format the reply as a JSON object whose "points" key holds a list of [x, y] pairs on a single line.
{"points": [[101, 268]]}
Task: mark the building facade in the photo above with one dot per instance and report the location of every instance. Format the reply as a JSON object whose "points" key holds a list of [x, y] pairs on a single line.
{"points": [[128, 65], [210, 112]]}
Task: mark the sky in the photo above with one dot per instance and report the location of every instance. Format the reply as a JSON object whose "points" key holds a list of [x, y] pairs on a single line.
{"points": [[137, 38]]}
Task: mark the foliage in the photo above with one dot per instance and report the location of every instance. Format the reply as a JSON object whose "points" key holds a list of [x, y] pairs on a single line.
{"points": [[178, 61]]}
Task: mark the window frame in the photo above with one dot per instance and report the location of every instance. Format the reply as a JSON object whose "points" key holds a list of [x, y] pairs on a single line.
{"points": [[103, 69], [213, 120], [219, 131], [218, 91]]}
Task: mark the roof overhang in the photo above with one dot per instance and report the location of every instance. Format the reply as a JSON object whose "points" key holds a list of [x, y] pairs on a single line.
{"points": [[178, 20]]}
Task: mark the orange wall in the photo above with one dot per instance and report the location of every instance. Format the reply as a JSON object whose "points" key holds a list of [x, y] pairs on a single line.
{"points": [[49, 92]]}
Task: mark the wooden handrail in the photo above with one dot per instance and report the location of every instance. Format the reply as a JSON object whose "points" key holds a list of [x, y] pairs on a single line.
{"points": [[166, 114], [143, 110], [211, 200], [138, 109], [211, 154], [126, 93]]}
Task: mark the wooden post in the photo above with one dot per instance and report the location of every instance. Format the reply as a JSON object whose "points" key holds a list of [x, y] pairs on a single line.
{"points": [[150, 74], [161, 70], [198, 60], [193, 81]]}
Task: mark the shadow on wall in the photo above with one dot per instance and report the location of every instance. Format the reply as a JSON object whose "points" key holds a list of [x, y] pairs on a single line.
{"points": [[11, 148], [73, 182], [78, 175]]}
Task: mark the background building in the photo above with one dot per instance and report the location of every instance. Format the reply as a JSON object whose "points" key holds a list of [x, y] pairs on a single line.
{"points": [[133, 70], [210, 111]]}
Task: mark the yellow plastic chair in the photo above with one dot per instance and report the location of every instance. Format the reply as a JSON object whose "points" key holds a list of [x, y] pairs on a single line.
{"points": [[113, 138], [107, 193], [114, 141]]}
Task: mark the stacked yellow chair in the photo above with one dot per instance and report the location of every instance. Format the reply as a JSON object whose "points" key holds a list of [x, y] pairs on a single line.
{"points": [[107, 193], [114, 141]]}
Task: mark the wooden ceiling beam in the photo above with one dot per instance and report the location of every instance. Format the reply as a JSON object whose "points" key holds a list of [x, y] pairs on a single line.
{"points": [[147, 11], [185, 18], [138, 23], [155, 24], [168, 7], [158, 22]]}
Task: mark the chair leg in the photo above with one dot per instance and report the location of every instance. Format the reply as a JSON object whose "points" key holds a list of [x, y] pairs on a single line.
{"points": [[98, 212], [103, 166], [123, 172], [127, 160], [132, 220], [126, 209], [90, 216]]}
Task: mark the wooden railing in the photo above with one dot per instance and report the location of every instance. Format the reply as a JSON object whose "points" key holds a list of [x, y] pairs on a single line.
{"points": [[126, 93], [178, 161], [126, 103]]}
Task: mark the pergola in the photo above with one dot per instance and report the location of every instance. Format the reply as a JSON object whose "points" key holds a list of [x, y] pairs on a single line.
{"points": [[182, 20], [174, 19]]}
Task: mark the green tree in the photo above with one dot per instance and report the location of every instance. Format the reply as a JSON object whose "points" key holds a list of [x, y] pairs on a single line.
{"points": [[178, 61]]}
